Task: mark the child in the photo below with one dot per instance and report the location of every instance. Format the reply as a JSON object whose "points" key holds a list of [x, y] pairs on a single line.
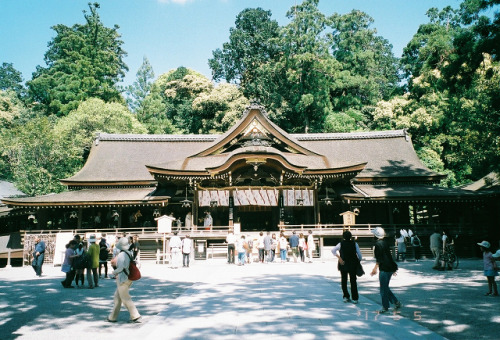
{"points": [[490, 268]]}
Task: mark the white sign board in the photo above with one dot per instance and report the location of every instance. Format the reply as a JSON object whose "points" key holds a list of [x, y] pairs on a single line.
{"points": [[165, 224], [62, 239], [237, 228]]}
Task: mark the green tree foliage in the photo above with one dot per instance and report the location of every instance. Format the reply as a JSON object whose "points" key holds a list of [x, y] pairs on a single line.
{"points": [[141, 86], [185, 101], [252, 42], [79, 128], [37, 157], [452, 107], [219, 109], [307, 68], [83, 61], [369, 69], [38, 151], [313, 74], [11, 79]]}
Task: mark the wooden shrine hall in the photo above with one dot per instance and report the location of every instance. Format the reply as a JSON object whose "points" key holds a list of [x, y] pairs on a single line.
{"points": [[258, 177]]}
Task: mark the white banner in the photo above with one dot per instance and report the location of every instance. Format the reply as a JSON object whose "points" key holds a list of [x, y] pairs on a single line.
{"points": [[293, 197], [205, 197], [255, 197]]}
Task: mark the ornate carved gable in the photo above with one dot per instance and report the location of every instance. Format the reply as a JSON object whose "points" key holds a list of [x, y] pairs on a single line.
{"points": [[255, 130]]}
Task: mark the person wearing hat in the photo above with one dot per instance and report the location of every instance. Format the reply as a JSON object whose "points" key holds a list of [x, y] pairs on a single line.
{"points": [[387, 267], [490, 268], [123, 284], [496, 256], [93, 254]]}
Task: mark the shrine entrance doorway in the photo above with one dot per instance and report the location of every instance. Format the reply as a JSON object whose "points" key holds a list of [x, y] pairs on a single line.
{"points": [[257, 218]]}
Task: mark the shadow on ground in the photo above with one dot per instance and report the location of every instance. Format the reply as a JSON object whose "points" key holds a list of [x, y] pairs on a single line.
{"points": [[41, 305], [278, 306], [450, 303]]}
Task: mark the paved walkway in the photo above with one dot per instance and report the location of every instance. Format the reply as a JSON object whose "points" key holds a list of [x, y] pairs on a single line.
{"points": [[209, 300]]}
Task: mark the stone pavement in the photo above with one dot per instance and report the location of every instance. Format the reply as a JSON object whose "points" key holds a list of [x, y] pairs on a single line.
{"points": [[209, 300]]}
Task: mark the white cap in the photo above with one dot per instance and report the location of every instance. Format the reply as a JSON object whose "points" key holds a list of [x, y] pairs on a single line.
{"points": [[378, 232], [484, 244]]}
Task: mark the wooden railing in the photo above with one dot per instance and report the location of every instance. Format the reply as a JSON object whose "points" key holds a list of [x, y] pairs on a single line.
{"points": [[330, 229]]}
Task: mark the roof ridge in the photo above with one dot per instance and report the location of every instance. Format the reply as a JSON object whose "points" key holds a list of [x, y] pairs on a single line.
{"points": [[212, 137], [351, 135], [155, 138]]}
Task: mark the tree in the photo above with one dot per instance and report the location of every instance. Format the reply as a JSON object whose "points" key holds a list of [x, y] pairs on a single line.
{"points": [[13, 114], [429, 49], [141, 86], [83, 61], [369, 69], [252, 42], [185, 101], [36, 157], [78, 129], [11, 79], [220, 109], [303, 71]]}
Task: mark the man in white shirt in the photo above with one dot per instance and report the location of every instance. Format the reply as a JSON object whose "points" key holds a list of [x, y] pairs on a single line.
{"points": [[311, 246], [187, 246], [175, 250], [231, 248]]}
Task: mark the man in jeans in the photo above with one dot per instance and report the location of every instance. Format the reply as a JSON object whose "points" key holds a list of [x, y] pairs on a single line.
{"points": [[38, 256], [230, 240], [294, 244], [187, 246], [387, 267]]}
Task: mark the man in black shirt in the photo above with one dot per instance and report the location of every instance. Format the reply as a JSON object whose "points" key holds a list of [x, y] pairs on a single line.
{"points": [[386, 267]]}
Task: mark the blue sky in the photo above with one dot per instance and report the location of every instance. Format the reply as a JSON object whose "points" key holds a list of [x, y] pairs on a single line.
{"points": [[173, 33]]}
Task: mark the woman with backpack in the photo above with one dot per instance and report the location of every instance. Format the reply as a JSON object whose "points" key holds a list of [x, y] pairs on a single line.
{"points": [[122, 295]]}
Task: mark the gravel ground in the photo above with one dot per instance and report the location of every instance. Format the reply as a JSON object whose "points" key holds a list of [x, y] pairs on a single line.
{"points": [[450, 303]]}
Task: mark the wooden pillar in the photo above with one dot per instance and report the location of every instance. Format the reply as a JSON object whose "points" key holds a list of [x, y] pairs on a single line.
{"points": [[281, 205], [317, 214], [120, 213], [80, 216], [195, 208], [231, 208]]}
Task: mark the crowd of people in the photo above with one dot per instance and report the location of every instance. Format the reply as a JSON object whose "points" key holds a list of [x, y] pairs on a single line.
{"points": [[269, 248], [92, 257]]}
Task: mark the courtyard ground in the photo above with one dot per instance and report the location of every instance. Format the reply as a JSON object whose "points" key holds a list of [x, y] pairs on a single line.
{"points": [[214, 300]]}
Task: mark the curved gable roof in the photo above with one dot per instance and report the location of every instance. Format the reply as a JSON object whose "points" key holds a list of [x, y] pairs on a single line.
{"points": [[255, 118]]}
